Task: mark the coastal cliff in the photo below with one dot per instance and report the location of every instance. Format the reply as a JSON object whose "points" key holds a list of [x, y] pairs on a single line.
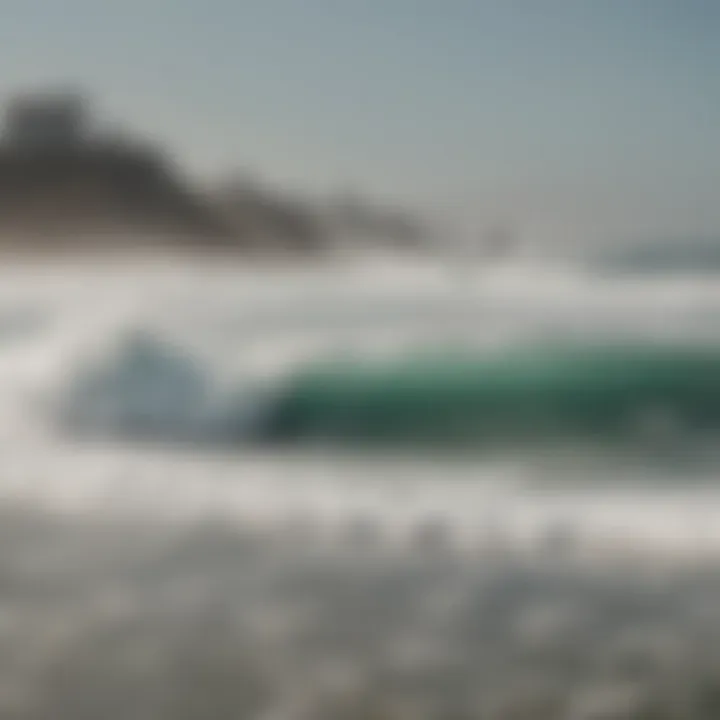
{"points": [[67, 185], [84, 194]]}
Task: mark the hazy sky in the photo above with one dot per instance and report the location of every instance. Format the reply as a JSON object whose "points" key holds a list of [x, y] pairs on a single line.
{"points": [[598, 116]]}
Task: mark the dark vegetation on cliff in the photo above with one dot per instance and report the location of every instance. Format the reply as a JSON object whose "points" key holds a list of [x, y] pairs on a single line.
{"points": [[63, 184], [99, 191], [267, 220]]}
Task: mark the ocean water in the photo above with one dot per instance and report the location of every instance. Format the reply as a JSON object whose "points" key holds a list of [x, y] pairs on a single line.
{"points": [[206, 575]]}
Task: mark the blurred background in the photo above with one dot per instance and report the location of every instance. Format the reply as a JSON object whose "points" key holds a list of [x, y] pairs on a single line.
{"points": [[359, 360]]}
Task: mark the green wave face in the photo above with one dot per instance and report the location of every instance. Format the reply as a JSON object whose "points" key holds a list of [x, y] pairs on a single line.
{"points": [[531, 393]]}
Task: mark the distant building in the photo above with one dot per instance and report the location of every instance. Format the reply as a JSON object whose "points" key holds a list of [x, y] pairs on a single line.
{"points": [[46, 121]]}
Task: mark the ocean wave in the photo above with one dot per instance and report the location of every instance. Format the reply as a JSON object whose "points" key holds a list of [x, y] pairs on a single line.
{"points": [[147, 388], [208, 355]]}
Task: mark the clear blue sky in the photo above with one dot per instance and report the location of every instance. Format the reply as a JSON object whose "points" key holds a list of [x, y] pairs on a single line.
{"points": [[568, 115]]}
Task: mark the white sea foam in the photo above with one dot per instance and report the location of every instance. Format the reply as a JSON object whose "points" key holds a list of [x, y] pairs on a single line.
{"points": [[213, 333]]}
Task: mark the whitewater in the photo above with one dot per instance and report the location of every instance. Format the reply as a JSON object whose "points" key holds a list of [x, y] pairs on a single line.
{"points": [[215, 331], [192, 578]]}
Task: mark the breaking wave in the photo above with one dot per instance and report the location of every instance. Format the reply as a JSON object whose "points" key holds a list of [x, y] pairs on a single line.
{"points": [[144, 388], [407, 354], [518, 394]]}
